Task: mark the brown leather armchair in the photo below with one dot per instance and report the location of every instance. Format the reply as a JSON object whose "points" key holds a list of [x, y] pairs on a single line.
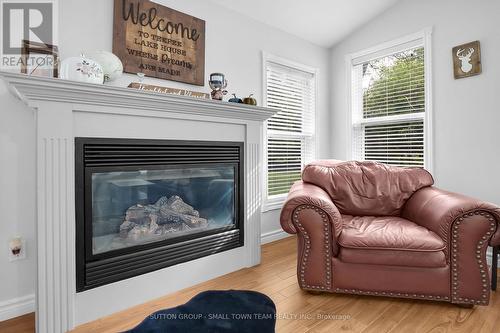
{"points": [[371, 229]]}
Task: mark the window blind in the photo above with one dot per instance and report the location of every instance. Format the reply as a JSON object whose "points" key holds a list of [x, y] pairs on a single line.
{"points": [[389, 109], [399, 143], [290, 131]]}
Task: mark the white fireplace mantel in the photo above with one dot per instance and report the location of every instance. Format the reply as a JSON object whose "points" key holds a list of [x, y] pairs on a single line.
{"points": [[31, 89], [65, 110]]}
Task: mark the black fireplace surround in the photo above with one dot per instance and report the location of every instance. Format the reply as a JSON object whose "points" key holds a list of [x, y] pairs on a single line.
{"points": [[143, 205]]}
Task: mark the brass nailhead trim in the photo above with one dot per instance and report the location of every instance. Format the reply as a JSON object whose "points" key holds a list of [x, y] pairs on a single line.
{"points": [[481, 244], [392, 294], [305, 235]]}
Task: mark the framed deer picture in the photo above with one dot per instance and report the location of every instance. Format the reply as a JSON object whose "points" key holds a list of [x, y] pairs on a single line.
{"points": [[467, 60]]}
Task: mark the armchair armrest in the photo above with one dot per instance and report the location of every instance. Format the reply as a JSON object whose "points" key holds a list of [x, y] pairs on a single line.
{"points": [[437, 209], [310, 213], [467, 226], [304, 194]]}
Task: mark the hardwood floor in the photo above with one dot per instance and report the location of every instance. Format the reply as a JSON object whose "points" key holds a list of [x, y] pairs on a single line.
{"points": [[22, 324], [304, 312]]}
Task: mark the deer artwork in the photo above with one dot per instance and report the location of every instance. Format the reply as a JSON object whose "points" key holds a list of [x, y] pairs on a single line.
{"points": [[465, 59]]}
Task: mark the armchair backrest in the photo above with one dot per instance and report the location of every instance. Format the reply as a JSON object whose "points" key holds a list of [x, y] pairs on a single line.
{"points": [[366, 188]]}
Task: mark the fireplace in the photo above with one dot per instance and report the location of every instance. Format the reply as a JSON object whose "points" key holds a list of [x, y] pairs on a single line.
{"points": [[143, 205], [66, 110]]}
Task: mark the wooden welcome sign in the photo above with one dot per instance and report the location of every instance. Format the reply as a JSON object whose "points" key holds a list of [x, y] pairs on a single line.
{"points": [[159, 41]]}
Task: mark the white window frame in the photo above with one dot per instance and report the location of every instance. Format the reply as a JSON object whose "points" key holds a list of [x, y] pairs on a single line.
{"points": [[424, 37], [276, 202]]}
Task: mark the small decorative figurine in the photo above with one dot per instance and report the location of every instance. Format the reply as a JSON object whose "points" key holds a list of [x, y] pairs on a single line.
{"points": [[218, 83], [235, 99], [250, 100]]}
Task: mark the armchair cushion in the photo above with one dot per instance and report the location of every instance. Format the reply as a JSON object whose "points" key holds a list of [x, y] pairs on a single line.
{"points": [[366, 188], [387, 233], [390, 241]]}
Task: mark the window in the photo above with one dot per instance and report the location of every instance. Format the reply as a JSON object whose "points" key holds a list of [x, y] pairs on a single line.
{"points": [[390, 105], [291, 88]]}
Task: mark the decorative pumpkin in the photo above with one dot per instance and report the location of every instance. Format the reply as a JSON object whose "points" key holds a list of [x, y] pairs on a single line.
{"points": [[111, 64], [235, 99], [250, 100]]}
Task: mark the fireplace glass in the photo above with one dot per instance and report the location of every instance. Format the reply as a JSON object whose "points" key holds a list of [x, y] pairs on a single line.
{"points": [[136, 207]]}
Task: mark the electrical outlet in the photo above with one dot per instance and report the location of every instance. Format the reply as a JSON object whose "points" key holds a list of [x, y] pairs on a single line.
{"points": [[17, 249]]}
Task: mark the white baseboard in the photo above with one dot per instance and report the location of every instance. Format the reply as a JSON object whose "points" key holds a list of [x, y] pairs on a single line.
{"points": [[272, 236], [17, 307]]}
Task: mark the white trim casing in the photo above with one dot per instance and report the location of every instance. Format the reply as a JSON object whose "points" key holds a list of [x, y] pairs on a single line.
{"points": [[423, 37], [276, 202]]}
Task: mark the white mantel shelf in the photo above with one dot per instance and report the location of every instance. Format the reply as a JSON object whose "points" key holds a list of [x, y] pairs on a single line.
{"points": [[65, 110], [31, 89]]}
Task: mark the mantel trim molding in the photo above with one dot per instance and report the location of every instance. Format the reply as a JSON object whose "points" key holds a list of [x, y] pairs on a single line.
{"points": [[33, 89]]}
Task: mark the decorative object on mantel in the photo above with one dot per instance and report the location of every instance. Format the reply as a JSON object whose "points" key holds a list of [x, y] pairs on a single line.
{"points": [[81, 69], [218, 84], [467, 60], [235, 99], [159, 41], [110, 63], [141, 77], [250, 100], [166, 90], [44, 59]]}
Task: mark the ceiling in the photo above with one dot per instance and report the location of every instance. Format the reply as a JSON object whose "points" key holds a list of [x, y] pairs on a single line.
{"points": [[322, 22]]}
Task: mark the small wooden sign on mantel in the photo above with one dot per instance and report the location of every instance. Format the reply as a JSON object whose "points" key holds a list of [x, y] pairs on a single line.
{"points": [[169, 91]]}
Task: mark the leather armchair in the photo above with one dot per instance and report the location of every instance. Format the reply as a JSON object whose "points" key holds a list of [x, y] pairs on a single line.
{"points": [[372, 229]]}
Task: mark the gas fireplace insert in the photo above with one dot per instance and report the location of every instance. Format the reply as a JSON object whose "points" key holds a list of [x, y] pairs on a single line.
{"points": [[143, 205]]}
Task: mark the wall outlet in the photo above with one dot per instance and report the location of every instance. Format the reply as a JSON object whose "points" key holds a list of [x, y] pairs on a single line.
{"points": [[17, 249]]}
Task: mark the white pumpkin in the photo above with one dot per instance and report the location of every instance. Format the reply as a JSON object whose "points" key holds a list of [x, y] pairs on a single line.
{"points": [[111, 65]]}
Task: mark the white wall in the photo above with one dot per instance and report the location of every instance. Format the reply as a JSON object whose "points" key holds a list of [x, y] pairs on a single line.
{"points": [[466, 113], [17, 200], [233, 46]]}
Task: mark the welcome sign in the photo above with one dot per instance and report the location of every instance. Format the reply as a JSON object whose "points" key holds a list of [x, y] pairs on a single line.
{"points": [[159, 41]]}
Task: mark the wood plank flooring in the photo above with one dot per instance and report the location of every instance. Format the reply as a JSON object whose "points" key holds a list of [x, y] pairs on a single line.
{"points": [[22, 324], [300, 311]]}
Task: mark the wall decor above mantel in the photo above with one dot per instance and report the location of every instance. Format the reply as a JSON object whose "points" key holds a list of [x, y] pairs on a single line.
{"points": [[159, 41]]}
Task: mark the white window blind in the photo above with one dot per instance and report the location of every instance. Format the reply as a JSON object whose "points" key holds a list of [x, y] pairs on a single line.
{"points": [[290, 132], [388, 107]]}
